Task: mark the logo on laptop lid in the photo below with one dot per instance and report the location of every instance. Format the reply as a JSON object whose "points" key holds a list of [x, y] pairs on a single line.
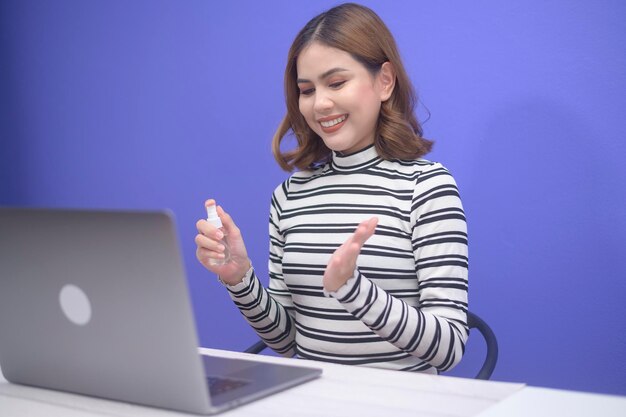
{"points": [[75, 304]]}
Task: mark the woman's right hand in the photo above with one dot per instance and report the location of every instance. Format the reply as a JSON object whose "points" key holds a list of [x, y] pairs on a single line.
{"points": [[209, 247]]}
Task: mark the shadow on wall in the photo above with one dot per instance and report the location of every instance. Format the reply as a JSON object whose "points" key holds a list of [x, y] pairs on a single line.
{"points": [[545, 223]]}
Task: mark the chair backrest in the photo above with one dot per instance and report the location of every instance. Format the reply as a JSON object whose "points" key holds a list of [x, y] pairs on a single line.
{"points": [[473, 322], [257, 347], [491, 357]]}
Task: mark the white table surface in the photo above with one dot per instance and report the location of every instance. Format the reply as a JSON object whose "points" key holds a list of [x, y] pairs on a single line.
{"points": [[345, 391]]}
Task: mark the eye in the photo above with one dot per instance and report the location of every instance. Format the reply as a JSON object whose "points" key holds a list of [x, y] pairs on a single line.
{"points": [[337, 84], [307, 91]]}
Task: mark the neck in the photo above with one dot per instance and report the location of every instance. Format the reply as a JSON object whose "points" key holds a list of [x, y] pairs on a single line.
{"points": [[353, 161]]}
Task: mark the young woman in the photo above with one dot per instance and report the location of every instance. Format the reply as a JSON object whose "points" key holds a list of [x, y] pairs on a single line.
{"points": [[368, 243]]}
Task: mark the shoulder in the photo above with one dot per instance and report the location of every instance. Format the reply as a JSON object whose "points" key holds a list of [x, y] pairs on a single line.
{"points": [[415, 165], [281, 191], [425, 173], [299, 177], [434, 172], [415, 169], [435, 184]]}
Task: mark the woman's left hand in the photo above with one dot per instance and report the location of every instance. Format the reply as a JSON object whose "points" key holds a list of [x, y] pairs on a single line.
{"points": [[342, 263]]}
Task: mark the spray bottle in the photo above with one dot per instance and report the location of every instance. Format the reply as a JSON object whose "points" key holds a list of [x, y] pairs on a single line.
{"points": [[213, 218]]}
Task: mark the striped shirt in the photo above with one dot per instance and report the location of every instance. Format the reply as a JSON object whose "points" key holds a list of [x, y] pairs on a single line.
{"points": [[405, 305]]}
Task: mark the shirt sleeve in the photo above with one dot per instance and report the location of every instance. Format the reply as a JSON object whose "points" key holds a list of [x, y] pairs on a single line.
{"points": [[436, 330], [270, 311]]}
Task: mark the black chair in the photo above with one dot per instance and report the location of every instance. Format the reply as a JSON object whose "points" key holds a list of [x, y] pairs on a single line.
{"points": [[473, 321], [491, 358]]}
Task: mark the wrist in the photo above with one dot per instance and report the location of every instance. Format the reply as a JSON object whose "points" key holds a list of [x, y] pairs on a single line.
{"points": [[334, 283], [345, 286], [239, 278]]}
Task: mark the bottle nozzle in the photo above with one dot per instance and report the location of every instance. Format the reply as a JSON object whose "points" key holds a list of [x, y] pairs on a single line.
{"points": [[212, 217]]}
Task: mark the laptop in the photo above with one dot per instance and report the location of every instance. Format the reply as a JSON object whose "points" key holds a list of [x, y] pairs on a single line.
{"points": [[96, 303]]}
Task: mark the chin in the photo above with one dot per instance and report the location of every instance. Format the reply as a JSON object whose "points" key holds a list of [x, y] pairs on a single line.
{"points": [[340, 149], [334, 145]]}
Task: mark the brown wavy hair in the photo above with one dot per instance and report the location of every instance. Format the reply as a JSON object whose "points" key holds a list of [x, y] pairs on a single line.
{"points": [[359, 31]]}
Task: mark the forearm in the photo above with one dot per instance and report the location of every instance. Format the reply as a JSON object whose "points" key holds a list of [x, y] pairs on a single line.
{"points": [[268, 317], [437, 336]]}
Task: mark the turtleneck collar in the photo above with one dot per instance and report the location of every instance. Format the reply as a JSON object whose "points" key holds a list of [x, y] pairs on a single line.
{"points": [[358, 160]]}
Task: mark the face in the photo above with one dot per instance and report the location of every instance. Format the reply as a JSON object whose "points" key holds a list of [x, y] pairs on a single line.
{"points": [[339, 98]]}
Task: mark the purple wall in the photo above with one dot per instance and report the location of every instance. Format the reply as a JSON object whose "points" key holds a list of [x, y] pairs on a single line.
{"points": [[153, 104]]}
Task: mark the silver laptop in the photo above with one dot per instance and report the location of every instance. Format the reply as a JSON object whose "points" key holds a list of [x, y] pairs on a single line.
{"points": [[96, 303]]}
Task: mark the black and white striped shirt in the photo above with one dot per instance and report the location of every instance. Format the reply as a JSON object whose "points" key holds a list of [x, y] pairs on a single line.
{"points": [[405, 306]]}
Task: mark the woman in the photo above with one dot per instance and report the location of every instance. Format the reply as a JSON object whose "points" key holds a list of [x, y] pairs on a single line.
{"points": [[368, 243]]}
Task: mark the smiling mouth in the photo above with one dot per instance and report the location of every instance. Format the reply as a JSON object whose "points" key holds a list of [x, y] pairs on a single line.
{"points": [[332, 125]]}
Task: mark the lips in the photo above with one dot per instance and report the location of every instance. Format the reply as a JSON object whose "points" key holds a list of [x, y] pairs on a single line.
{"points": [[333, 123]]}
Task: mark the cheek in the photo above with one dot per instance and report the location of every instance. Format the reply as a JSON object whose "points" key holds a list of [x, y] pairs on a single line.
{"points": [[366, 100], [362, 93]]}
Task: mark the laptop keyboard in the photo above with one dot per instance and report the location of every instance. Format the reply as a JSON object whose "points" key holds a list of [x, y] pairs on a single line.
{"points": [[220, 385]]}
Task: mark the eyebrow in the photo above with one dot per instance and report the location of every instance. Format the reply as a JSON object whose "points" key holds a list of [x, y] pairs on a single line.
{"points": [[324, 75]]}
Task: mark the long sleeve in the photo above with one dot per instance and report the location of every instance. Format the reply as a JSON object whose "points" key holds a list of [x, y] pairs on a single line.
{"points": [[270, 312], [435, 330]]}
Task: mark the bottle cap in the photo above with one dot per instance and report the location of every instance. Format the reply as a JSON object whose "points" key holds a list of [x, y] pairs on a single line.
{"points": [[212, 217]]}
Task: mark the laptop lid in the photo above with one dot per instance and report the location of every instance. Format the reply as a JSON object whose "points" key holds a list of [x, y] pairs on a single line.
{"points": [[96, 303]]}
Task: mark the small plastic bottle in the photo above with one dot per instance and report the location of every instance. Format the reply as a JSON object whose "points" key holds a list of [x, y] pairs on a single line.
{"points": [[213, 218]]}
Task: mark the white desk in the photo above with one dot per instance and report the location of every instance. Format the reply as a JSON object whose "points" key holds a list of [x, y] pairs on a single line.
{"points": [[346, 391]]}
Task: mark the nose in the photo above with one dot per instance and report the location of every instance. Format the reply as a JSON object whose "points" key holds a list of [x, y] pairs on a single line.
{"points": [[323, 103]]}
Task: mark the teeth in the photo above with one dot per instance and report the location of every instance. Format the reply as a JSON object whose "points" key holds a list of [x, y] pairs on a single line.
{"points": [[332, 123]]}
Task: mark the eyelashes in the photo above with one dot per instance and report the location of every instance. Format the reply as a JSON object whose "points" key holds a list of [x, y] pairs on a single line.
{"points": [[338, 84], [335, 86]]}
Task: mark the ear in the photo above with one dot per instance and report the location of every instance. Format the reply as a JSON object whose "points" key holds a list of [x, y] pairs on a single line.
{"points": [[387, 80]]}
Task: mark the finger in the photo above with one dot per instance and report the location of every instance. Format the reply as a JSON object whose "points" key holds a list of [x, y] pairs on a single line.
{"points": [[208, 203], [207, 229], [337, 266], [337, 272], [205, 255], [334, 267], [227, 222], [206, 243], [364, 231], [351, 252], [344, 259]]}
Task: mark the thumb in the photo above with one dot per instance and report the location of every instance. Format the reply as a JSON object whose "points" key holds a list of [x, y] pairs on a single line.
{"points": [[227, 221]]}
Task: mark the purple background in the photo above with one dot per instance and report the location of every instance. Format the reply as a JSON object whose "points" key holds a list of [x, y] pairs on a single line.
{"points": [[154, 104]]}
